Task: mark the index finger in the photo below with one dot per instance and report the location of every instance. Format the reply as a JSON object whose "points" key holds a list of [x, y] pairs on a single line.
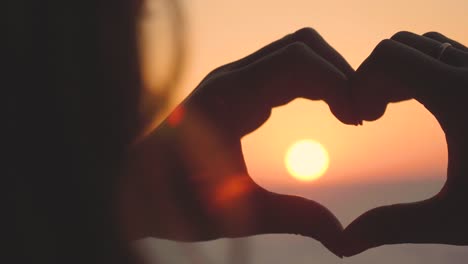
{"points": [[294, 71], [307, 36], [395, 72]]}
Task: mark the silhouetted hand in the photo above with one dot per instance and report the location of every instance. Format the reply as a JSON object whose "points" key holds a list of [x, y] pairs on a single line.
{"points": [[188, 179], [405, 67]]}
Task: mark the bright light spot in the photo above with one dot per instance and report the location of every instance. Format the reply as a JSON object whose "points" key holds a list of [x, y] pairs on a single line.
{"points": [[306, 160]]}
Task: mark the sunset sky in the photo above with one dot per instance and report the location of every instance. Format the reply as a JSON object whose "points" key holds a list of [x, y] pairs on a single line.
{"points": [[407, 144]]}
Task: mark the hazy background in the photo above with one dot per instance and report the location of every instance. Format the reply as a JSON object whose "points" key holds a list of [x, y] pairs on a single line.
{"points": [[399, 158]]}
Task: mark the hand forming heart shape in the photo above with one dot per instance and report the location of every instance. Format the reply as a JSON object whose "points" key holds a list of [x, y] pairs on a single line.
{"points": [[189, 180], [403, 68]]}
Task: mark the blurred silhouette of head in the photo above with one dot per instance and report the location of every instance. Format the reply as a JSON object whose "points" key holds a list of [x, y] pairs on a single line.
{"points": [[73, 86]]}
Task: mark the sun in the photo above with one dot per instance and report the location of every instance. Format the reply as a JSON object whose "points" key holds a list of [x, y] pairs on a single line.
{"points": [[306, 160]]}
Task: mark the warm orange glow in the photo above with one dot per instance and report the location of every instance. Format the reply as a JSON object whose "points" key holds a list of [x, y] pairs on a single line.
{"points": [[176, 116], [231, 190], [306, 160], [405, 144]]}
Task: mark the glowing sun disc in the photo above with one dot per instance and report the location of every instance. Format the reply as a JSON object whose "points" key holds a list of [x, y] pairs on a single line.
{"points": [[306, 160]]}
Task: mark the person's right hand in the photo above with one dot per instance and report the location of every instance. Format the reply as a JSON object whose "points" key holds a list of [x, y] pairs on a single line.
{"points": [[406, 67], [188, 181]]}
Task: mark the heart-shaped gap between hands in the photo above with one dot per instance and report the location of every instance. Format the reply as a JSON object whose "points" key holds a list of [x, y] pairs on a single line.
{"points": [[400, 158]]}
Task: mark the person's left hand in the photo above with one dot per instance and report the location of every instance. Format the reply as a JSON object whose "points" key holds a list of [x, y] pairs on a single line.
{"points": [[188, 179], [411, 66]]}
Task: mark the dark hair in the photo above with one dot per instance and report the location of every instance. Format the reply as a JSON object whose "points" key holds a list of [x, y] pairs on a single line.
{"points": [[72, 86]]}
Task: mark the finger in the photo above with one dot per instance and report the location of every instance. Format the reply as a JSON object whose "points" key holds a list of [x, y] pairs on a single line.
{"points": [[396, 72], [429, 221], [432, 47], [292, 72], [441, 38], [309, 37], [286, 214], [315, 41], [248, 94]]}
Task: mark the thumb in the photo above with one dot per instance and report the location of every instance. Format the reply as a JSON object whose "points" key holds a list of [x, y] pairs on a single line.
{"points": [[422, 222], [285, 214]]}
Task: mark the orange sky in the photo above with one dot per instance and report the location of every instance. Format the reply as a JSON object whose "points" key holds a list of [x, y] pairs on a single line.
{"points": [[407, 142]]}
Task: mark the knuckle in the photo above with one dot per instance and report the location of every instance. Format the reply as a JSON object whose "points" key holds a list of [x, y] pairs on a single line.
{"points": [[401, 35], [307, 31], [307, 34], [432, 34]]}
